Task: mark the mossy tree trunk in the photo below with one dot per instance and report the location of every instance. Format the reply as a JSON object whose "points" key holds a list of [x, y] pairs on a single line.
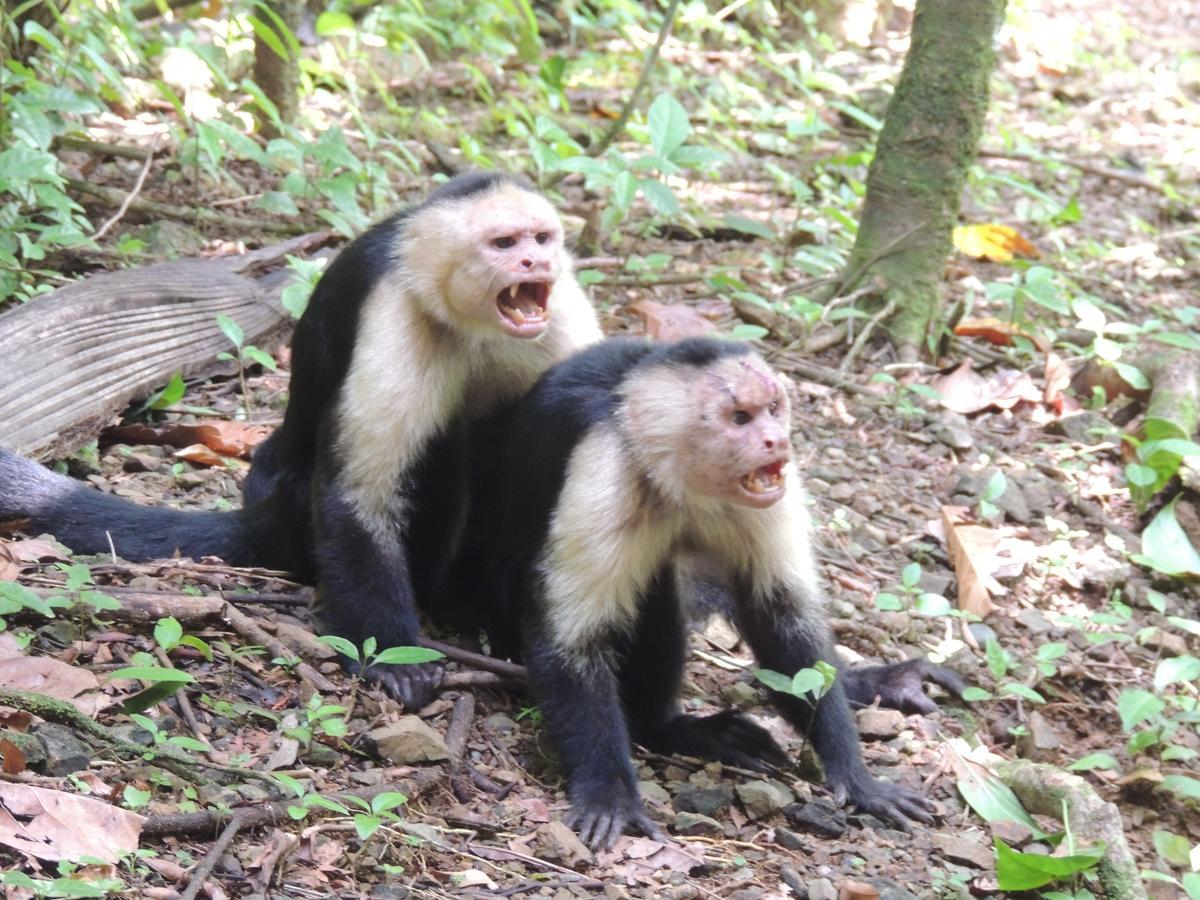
{"points": [[929, 139], [277, 58]]}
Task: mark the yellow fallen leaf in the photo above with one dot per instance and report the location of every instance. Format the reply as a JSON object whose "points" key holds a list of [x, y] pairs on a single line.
{"points": [[972, 552], [995, 243]]}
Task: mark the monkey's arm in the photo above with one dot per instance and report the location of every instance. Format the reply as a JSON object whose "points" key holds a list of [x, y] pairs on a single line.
{"points": [[786, 636], [899, 685], [366, 591], [581, 705]]}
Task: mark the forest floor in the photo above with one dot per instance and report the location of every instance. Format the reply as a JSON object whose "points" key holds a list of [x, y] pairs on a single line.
{"points": [[881, 464]]}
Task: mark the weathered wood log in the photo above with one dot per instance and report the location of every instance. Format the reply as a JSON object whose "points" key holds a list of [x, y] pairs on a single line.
{"points": [[74, 358]]}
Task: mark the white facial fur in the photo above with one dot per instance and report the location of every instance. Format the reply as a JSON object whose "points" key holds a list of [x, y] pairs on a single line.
{"points": [[488, 262], [724, 435]]}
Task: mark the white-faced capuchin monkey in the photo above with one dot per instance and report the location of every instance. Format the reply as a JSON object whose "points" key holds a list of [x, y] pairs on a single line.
{"points": [[431, 320], [620, 463]]}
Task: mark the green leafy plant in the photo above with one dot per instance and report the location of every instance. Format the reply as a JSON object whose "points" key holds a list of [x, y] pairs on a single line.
{"points": [[392, 656], [922, 602], [245, 352]]}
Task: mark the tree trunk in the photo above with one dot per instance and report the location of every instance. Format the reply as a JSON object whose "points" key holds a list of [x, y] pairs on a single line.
{"points": [[929, 139], [278, 73]]}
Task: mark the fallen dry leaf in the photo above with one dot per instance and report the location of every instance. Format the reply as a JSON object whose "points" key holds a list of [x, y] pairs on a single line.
{"points": [[9, 567], [966, 391], [44, 675], [857, 890], [672, 321], [998, 331], [33, 550], [995, 243], [972, 552], [1058, 379], [13, 757], [55, 825], [200, 455], [225, 437]]}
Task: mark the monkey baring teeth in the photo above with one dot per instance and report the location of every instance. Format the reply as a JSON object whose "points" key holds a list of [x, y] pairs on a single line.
{"points": [[624, 464], [524, 308]]}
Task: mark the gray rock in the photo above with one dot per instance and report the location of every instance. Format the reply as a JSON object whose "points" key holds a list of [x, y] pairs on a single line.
{"points": [[694, 823], [951, 429], [878, 724], [409, 740], [1081, 428], [761, 798], [500, 723], [65, 753], [821, 889], [558, 843], [706, 801], [817, 817], [1039, 740], [970, 848], [982, 632], [792, 879], [787, 839], [1034, 620], [740, 694], [652, 790], [142, 462], [1015, 834]]}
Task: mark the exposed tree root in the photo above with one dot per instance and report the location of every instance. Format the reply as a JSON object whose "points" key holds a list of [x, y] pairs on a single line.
{"points": [[1043, 790]]}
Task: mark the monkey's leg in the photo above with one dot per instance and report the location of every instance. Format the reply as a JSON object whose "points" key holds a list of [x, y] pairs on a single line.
{"points": [[787, 634], [651, 678], [578, 697], [365, 590]]}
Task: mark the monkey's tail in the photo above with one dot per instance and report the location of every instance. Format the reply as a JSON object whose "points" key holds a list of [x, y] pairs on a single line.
{"points": [[89, 521]]}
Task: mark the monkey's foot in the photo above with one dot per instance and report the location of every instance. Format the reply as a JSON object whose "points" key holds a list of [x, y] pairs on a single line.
{"points": [[900, 685], [600, 821], [727, 736], [883, 798], [413, 685]]}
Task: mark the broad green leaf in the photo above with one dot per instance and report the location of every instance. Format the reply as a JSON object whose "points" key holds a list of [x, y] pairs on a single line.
{"points": [[1172, 847], [976, 694], [911, 575], [15, 597], [888, 602], [624, 189], [278, 202], [1165, 545], [1176, 669], [153, 674], [341, 645], [1089, 315], [996, 659], [1136, 706], [264, 359], [774, 680], [669, 126], [659, 195], [169, 395], [1017, 871], [1191, 884], [1140, 476], [1021, 690], [1182, 785], [996, 486], [1093, 761], [1132, 375], [290, 783], [387, 801], [231, 329], [993, 800], [1186, 341], [406, 656], [744, 331], [930, 604], [748, 226], [167, 632], [807, 681], [365, 825], [331, 23]]}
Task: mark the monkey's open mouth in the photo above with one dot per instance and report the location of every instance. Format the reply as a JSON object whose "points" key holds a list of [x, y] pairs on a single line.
{"points": [[764, 482], [523, 307]]}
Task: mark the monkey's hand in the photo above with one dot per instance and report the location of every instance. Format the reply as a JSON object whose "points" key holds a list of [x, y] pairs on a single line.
{"points": [[900, 685], [601, 820], [727, 736], [882, 798], [413, 685]]}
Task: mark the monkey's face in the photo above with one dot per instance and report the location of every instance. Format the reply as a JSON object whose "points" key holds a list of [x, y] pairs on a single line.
{"points": [[739, 444], [504, 278]]}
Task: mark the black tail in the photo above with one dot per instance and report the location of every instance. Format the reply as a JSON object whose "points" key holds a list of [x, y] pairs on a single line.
{"points": [[89, 521]]}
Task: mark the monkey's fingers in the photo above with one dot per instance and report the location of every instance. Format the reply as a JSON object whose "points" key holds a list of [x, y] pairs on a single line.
{"points": [[412, 685], [895, 802]]}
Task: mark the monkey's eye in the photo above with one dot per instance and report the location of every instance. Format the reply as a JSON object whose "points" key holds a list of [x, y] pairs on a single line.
{"points": [[741, 417], [541, 237], [503, 243]]}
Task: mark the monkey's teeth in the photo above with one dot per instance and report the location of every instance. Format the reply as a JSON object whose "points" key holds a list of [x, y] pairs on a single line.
{"points": [[513, 289], [516, 315]]}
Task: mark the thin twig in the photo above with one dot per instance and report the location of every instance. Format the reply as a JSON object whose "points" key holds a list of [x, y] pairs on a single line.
{"points": [[252, 631], [623, 119], [1130, 178], [861, 341], [205, 867], [137, 189], [478, 660], [181, 698]]}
